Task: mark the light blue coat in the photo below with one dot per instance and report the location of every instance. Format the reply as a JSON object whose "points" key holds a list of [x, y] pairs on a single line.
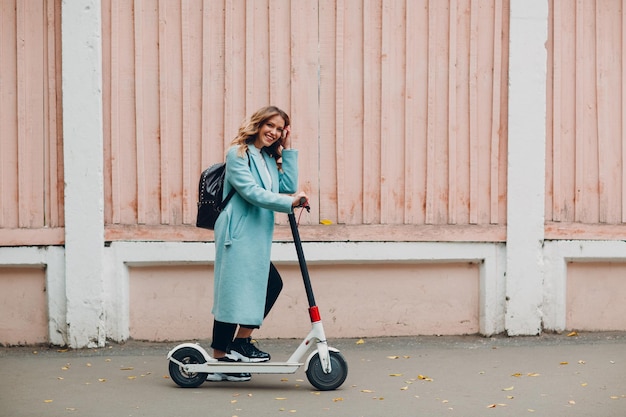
{"points": [[244, 232]]}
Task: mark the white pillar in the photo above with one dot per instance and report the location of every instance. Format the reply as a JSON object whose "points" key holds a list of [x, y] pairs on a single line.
{"points": [[526, 166], [83, 160]]}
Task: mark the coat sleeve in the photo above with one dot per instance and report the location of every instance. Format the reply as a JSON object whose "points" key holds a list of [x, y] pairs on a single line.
{"points": [[240, 177], [288, 178]]}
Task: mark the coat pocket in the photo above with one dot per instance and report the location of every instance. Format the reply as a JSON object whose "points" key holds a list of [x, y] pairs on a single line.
{"points": [[239, 225]]}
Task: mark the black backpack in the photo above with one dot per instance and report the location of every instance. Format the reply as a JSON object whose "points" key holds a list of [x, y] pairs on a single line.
{"points": [[211, 189]]}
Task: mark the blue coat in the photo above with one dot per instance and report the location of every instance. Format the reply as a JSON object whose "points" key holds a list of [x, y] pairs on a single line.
{"points": [[244, 232]]}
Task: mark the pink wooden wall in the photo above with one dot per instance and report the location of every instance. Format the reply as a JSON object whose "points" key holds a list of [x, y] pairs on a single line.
{"points": [[398, 107], [586, 152], [31, 158], [399, 111]]}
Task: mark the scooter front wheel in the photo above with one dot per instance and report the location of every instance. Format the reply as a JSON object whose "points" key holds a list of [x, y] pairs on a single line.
{"points": [[333, 380], [183, 378]]}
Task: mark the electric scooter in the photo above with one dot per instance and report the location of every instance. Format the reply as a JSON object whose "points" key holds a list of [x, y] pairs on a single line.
{"points": [[326, 368]]}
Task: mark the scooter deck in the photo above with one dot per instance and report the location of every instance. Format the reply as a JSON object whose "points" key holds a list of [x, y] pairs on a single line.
{"points": [[239, 367]]}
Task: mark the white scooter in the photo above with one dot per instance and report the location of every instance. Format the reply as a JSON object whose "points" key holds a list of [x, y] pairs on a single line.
{"points": [[326, 368]]}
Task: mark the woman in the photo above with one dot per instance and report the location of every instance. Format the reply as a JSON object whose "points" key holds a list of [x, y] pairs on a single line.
{"points": [[262, 168]]}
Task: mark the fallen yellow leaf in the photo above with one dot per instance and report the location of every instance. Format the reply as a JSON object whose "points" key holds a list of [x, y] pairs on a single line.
{"points": [[326, 222], [424, 378], [129, 368], [563, 363], [395, 374], [404, 388], [337, 399], [47, 401], [360, 342], [508, 389], [572, 402], [367, 390], [572, 334], [280, 398], [102, 380], [533, 374], [517, 375], [393, 357]]}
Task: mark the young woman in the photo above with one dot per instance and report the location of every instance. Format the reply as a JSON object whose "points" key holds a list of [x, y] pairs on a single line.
{"points": [[263, 169]]}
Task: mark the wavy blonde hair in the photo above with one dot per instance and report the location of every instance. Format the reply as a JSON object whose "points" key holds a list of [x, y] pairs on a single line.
{"points": [[250, 127]]}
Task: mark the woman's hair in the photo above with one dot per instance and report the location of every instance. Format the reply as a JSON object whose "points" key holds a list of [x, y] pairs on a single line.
{"points": [[250, 128]]}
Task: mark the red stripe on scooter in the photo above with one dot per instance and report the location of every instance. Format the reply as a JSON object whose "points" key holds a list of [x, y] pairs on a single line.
{"points": [[314, 313]]}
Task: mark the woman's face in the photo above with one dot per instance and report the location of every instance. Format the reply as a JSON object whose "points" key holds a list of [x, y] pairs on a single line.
{"points": [[270, 132]]}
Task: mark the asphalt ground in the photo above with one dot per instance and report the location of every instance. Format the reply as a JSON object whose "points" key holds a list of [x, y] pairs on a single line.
{"points": [[550, 375]]}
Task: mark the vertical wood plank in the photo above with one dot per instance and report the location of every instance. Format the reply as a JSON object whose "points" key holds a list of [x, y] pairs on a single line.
{"points": [[4, 179], [414, 132], [474, 161], [331, 152], [353, 109], [343, 180], [392, 117], [22, 134], [279, 53], [257, 55], [22, 145], [416, 110], [495, 114], [115, 114], [187, 203], [623, 114], [580, 151], [452, 120], [602, 120], [140, 112], [30, 69], [607, 39], [305, 97], [372, 112], [8, 116], [431, 119], [164, 113], [234, 71], [49, 134], [557, 68]]}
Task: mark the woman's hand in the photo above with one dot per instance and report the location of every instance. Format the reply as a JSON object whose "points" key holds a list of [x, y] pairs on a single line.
{"points": [[298, 199], [285, 140]]}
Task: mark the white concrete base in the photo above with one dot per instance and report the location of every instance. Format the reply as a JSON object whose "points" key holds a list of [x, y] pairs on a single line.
{"points": [[490, 257]]}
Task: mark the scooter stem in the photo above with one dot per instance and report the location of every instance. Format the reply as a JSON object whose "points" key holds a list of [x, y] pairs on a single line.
{"points": [[303, 268]]}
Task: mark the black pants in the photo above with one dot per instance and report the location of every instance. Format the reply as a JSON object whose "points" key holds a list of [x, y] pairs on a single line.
{"points": [[223, 333]]}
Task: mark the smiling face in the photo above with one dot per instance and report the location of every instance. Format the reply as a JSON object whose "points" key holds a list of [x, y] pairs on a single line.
{"points": [[269, 132]]}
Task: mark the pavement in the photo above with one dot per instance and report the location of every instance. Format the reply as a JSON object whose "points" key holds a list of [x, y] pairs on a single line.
{"points": [[550, 375]]}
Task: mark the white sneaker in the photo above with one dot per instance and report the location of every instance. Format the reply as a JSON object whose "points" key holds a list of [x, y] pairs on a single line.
{"points": [[232, 377]]}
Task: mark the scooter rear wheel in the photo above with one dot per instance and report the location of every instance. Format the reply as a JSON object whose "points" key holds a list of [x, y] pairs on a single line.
{"points": [[183, 378], [333, 380]]}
